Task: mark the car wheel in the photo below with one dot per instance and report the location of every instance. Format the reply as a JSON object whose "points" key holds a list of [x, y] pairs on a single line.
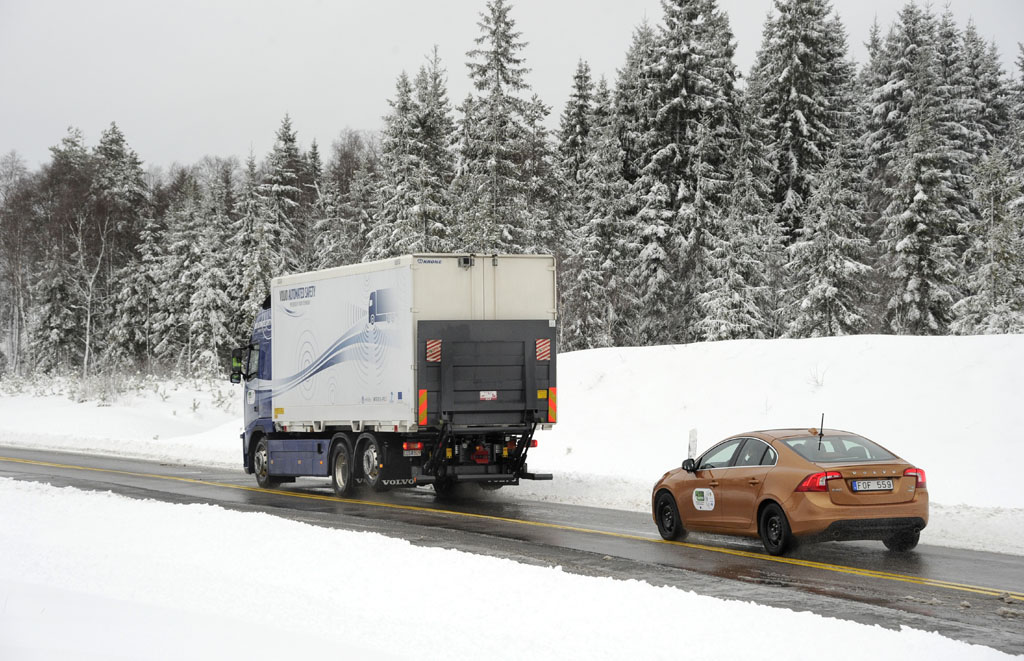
{"points": [[373, 463], [903, 541], [774, 530], [261, 465], [341, 469], [666, 514]]}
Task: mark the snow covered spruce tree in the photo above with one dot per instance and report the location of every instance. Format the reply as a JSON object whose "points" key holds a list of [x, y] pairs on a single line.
{"points": [[496, 149], [910, 163], [255, 254], [596, 295], [344, 210], [805, 99], [397, 229], [634, 100], [827, 259], [744, 297], [435, 128], [416, 168], [683, 181], [573, 133], [281, 191], [994, 259]]}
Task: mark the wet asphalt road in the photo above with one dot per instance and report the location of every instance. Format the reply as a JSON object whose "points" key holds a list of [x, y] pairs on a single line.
{"points": [[952, 591]]}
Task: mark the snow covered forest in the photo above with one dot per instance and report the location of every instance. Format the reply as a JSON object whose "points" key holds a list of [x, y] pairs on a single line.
{"points": [[685, 201]]}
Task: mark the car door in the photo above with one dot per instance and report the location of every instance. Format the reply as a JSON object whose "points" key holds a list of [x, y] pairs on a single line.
{"points": [[741, 484], [699, 499]]}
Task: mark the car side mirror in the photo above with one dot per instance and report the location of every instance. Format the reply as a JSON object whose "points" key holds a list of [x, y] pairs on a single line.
{"points": [[690, 466], [236, 377]]}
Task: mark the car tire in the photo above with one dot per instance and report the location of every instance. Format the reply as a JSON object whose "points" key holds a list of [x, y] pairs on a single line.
{"points": [[342, 479], [261, 465], [666, 515], [773, 526], [902, 541], [372, 462]]}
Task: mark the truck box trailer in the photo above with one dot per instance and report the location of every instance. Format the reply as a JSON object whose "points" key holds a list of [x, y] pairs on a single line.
{"points": [[422, 369]]}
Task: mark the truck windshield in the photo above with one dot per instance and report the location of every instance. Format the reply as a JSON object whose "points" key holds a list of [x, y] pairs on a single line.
{"points": [[838, 447]]}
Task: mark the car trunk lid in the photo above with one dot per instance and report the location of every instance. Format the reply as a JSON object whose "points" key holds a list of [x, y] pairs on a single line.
{"points": [[865, 484]]}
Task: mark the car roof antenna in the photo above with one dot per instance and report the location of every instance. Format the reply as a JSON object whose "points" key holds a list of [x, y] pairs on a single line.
{"points": [[821, 431]]}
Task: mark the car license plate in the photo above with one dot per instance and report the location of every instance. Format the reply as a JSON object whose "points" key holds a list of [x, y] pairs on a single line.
{"points": [[412, 453], [872, 485]]}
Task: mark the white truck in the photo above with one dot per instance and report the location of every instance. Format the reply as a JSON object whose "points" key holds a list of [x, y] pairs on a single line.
{"points": [[422, 369]]}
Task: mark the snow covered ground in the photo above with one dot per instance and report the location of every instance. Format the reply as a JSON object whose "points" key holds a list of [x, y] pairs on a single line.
{"points": [[83, 560], [97, 576]]}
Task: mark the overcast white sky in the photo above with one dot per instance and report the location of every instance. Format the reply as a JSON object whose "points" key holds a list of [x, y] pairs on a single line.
{"points": [[187, 78]]}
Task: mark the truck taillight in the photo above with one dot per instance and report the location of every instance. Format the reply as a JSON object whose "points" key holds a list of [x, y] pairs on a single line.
{"points": [[818, 481], [481, 455], [919, 474], [412, 445], [533, 443]]}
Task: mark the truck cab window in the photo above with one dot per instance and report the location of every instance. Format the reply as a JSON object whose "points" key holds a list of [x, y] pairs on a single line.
{"points": [[253, 368]]}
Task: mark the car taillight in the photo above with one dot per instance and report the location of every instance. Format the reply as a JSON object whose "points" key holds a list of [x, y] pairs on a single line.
{"points": [[818, 481], [919, 474], [412, 445]]}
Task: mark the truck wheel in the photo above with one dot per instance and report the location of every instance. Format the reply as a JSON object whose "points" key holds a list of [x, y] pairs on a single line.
{"points": [[261, 465], [373, 462], [445, 487], [341, 469]]}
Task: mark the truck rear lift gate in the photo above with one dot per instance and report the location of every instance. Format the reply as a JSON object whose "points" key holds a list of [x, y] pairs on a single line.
{"points": [[488, 374], [485, 374]]}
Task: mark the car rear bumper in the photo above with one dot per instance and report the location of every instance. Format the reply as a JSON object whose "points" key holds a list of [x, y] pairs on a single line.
{"points": [[814, 515], [846, 530]]}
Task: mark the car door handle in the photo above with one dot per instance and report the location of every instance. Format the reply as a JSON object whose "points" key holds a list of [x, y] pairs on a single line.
{"points": [[753, 481], [713, 483]]}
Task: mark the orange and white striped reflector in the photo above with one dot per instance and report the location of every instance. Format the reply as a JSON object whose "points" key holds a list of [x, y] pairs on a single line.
{"points": [[552, 404], [433, 351], [543, 349], [423, 407]]}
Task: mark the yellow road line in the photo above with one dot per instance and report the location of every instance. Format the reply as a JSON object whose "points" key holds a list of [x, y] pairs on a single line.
{"points": [[855, 571]]}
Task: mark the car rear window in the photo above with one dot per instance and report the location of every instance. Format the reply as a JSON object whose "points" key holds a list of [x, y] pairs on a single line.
{"points": [[838, 447]]}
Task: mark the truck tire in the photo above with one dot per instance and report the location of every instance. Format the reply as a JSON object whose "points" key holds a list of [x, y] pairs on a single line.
{"points": [[445, 487], [342, 478], [371, 461], [261, 465]]}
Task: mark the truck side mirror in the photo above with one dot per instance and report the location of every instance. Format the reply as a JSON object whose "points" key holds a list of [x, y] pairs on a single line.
{"points": [[237, 355], [689, 466]]}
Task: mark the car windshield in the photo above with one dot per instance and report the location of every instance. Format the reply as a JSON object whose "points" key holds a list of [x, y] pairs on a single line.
{"points": [[837, 447]]}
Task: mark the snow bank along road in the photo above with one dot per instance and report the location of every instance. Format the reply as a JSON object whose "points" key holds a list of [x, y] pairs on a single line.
{"points": [[967, 595]]}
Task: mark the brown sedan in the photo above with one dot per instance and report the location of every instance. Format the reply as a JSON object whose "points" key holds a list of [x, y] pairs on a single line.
{"points": [[788, 484]]}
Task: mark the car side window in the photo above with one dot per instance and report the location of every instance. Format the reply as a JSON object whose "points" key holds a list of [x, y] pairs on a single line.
{"points": [[721, 455], [770, 456], [751, 453]]}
